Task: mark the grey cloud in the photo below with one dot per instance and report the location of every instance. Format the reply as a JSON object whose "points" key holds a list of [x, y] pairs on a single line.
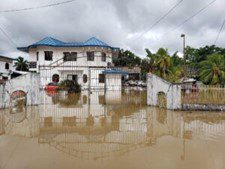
{"points": [[112, 21]]}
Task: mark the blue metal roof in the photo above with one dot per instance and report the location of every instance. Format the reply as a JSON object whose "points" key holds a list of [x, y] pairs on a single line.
{"points": [[95, 42], [115, 71], [49, 41]]}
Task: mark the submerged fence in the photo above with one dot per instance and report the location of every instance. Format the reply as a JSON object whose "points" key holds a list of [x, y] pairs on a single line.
{"points": [[204, 94]]}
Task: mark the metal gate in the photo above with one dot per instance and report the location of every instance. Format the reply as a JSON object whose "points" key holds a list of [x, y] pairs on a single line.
{"points": [[87, 73]]}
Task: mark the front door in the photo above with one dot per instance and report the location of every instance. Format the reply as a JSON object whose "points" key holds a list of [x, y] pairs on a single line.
{"points": [[73, 77]]}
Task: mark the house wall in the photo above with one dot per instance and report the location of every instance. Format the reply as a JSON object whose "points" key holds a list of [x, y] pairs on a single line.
{"points": [[80, 67], [113, 82], [81, 56], [2, 96], [4, 71]]}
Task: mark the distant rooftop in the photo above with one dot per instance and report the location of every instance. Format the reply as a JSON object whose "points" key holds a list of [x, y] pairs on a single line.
{"points": [[49, 41], [4, 57], [115, 71]]}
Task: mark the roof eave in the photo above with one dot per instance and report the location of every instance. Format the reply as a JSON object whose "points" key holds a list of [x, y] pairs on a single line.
{"points": [[23, 49]]}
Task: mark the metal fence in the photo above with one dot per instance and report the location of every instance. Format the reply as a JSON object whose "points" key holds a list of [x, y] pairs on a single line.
{"points": [[204, 94]]}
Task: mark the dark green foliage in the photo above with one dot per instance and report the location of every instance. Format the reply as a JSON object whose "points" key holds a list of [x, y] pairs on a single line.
{"points": [[127, 58], [202, 59], [199, 64], [21, 64], [70, 85], [212, 70]]}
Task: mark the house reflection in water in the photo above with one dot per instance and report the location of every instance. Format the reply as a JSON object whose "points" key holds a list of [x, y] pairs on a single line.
{"points": [[96, 126]]}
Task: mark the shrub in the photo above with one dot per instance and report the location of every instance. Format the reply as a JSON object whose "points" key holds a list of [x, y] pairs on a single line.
{"points": [[70, 85]]}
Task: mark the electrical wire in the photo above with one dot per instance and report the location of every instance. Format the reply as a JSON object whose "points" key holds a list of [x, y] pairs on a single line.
{"points": [[189, 18], [8, 37], [161, 18], [37, 7], [218, 35], [192, 16]]}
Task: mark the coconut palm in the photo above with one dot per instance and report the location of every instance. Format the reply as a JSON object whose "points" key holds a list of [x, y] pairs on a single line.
{"points": [[164, 62], [152, 60], [212, 70], [21, 64]]}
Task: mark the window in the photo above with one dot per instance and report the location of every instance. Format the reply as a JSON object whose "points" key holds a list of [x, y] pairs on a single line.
{"points": [[85, 78], [32, 65], [48, 55], [55, 78], [103, 57], [72, 77], [90, 56], [7, 66], [73, 56], [70, 56], [69, 121], [101, 99], [101, 78], [5, 78], [84, 99], [66, 56], [37, 55]]}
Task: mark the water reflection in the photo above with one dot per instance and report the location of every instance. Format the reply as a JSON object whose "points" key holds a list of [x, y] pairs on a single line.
{"points": [[97, 126]]}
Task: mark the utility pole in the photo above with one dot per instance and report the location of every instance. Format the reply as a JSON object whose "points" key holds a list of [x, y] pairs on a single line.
{"points": [[184, 55]]}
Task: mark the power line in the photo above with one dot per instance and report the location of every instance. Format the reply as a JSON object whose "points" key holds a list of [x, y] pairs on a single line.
{"points": [[218, 35], [161, 18], [37, 7], [189, 18], [8, 37]]}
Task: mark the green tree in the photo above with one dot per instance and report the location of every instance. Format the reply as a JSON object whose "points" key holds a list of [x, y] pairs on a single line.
{"points": [[145, 67], [212, 70], [21, 64], [163, 63], [126, 58], [152, 59], [195, 56]]}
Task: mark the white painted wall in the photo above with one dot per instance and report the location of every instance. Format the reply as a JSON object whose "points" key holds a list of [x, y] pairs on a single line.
{"points": [[81, 56], [29, 83], [156, 84], [113, 82], [4, 71], [79, 67]]}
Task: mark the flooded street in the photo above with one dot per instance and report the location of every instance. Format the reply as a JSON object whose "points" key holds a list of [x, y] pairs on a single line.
{"points": [[113, 131]]}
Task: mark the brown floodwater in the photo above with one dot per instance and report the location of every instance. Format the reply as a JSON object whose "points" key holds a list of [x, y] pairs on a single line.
{"points": [[112, 131]]}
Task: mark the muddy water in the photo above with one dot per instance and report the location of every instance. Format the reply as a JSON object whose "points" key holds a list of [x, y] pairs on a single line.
{"points": [[113, 131]]}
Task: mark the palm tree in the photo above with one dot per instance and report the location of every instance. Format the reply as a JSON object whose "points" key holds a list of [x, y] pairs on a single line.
{"points": [[21, 64], [164, 62], [152, 60], [212, 70]]}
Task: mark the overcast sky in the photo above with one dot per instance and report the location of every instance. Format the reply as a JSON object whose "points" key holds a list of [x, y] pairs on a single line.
{"points": [[117, 22]]}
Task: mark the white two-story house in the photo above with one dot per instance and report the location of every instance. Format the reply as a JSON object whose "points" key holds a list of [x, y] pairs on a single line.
{"points": [[85, 62]]}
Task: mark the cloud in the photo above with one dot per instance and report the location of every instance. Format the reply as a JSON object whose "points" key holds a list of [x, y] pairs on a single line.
{"points": [[116, 22]]}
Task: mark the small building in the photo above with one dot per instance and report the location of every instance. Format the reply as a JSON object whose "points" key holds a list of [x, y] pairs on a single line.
{"points": [[114, 78], [133, 73], [6, 67]]}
